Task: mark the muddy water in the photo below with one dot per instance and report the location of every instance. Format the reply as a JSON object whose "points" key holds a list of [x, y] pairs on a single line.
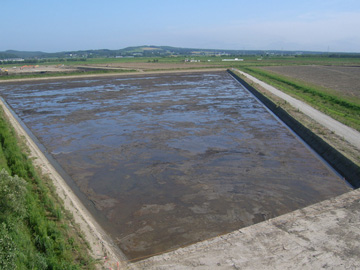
{"points": [[168, 160]]}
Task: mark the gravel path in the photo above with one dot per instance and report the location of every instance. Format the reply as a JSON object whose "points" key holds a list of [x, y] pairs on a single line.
{"points": [[349, 134]]}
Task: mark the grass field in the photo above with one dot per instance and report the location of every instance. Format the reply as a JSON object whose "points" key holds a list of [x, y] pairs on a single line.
{"points": [[217, 60]]}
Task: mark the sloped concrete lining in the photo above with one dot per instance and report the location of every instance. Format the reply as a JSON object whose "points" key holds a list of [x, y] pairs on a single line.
{"points": [[349, 134], [345, 167], [324, 235]]}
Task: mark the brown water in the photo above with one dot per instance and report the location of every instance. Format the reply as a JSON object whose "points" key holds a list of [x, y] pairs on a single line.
{"points": [[169, 160]]}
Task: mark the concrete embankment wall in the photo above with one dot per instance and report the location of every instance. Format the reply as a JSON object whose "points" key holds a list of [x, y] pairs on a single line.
{"points": [[345, 167]]}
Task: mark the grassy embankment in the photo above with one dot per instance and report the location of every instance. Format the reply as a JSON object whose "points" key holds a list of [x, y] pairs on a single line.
{"points": [[343, 109], [36, 232]]}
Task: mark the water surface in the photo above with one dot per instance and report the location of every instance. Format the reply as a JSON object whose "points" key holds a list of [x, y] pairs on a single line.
{"points": [[168, 160]]}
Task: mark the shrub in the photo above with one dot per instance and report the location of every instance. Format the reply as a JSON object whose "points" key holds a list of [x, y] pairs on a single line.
{"points": [[12, 194], [7, 249]]}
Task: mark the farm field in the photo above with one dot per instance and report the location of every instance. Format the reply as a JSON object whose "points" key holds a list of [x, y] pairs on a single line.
{"points": [[166, 160], [80, 67], [340, 80], [155, 66], [342, 105], [88, 68]]}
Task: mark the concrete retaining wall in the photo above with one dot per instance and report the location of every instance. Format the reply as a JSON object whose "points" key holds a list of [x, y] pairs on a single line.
{"points": [[345, 167]]}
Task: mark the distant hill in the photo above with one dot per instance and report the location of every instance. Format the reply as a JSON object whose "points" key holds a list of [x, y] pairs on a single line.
{"points": [[24, 54], [144, 51], [6, 55]]}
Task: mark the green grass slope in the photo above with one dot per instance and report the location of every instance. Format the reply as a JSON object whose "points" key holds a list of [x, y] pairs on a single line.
{"points": [[35, 230]]}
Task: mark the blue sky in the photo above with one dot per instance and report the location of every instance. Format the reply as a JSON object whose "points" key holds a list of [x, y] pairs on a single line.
{"points": [[62, 25]]}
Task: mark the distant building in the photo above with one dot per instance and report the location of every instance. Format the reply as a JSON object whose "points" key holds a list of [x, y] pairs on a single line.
{"points": [[12, 60], [235, 59], [191, 60]]}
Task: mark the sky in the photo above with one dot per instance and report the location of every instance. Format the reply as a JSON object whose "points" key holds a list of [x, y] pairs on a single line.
{"points": [[70, 25]]}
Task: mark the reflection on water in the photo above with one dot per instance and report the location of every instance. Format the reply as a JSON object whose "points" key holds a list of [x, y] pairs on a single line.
{"points": [[171, 159]]}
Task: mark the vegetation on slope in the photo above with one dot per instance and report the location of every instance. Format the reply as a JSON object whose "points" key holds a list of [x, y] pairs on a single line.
{"points": [[35, 230]]}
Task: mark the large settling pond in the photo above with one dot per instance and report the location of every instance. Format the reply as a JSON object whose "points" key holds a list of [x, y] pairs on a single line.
{"points": [[171, 159]]}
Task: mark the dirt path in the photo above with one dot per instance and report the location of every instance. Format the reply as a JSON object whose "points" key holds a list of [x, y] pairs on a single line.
{"points": [[349, 134], [102, 248]]}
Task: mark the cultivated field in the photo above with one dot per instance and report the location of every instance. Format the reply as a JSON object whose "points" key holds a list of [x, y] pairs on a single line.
{"points": [[91, 66], [340, 102], [154, 66], [341, 80]]}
